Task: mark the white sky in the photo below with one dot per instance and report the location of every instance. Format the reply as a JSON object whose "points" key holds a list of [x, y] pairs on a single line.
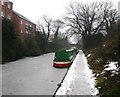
{"points": [[35, 9]]}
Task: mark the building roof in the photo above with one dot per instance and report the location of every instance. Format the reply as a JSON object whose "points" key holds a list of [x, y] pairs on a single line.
{"points": [[21, 16]]}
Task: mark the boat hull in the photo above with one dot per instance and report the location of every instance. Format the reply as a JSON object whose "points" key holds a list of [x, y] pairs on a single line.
{"points": [[61, 64]]}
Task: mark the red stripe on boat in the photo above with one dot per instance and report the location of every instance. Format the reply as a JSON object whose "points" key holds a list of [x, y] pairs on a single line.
{"points": [[61, 65]]}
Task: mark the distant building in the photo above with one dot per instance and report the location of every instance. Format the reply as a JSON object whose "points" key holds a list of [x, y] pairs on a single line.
{"points": [[22, 25]]}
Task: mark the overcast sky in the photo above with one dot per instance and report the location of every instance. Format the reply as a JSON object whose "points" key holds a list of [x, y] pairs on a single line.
{"points": [[35, 9]]}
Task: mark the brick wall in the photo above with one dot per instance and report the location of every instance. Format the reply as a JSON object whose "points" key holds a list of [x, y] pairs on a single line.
{"points": [[23, 27]]}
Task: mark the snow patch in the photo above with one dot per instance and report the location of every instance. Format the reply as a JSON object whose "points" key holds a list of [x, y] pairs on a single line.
{"points": [[103, 45], [112, 66], [88, 55], [90, 78]]}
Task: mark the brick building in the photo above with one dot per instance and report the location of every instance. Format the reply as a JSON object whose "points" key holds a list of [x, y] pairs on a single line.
{"points": [[22, 25]]}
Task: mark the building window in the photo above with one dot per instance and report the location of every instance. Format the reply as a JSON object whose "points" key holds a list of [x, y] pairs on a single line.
{"points": [[21, 21], [9, 17], [3, 8], [9, 5], [21, 31], [2, 2], [2, 14], [9, 11], [27, 32], [30, 27], [26, 26]]}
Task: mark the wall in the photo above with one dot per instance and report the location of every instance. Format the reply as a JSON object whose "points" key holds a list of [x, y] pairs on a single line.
{"points": [[21, 27]]}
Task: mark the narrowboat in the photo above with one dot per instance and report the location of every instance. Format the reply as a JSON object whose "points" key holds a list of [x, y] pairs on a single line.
{"points": [[64, 58]]}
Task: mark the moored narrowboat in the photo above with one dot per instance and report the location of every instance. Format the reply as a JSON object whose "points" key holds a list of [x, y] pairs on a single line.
{"points": [[64, 58]]}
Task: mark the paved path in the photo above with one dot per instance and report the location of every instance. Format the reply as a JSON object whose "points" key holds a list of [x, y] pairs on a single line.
{"points": [[31, 76]]}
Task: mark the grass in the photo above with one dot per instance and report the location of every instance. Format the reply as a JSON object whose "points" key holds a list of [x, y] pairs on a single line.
{"points": [[107, 83]]}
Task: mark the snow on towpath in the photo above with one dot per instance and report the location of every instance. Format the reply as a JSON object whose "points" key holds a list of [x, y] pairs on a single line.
{"points": [[79, 79], [31, 76]]}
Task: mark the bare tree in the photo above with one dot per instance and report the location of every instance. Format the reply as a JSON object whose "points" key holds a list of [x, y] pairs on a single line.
{"points": [[87, 19], [48, 25], [111, 21], [57, 25], [45, 27]]}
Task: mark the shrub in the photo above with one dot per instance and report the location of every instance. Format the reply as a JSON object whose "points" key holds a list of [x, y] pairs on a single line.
{"points": [[31, 46], [12, 48]]}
